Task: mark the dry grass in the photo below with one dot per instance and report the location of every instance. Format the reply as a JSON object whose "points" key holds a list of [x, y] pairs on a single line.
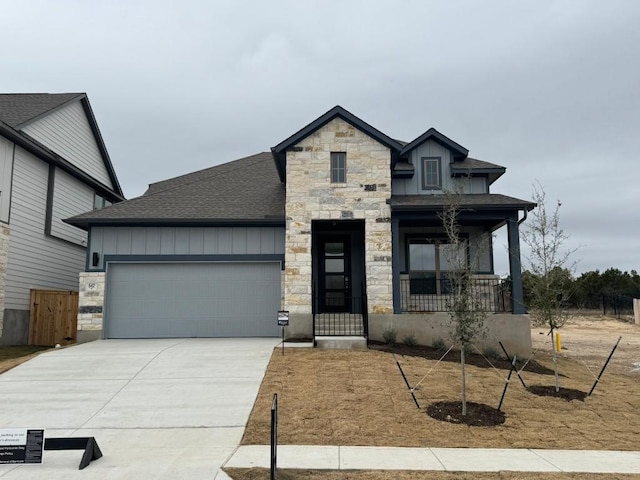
{"points": [[329, 397], [263, 474], [13, 356]]}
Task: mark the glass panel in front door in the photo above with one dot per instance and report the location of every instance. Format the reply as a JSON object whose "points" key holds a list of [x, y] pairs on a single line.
{"points": [[336, 276]]}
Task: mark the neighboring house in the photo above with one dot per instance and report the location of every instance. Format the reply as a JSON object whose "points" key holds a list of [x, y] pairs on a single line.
{"points": [[339, 224], [53, 164]]}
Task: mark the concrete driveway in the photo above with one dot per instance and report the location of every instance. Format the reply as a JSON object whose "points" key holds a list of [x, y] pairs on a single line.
{"points": [[170, 409]]}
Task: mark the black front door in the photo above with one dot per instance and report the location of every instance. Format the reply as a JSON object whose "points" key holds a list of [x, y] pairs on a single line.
{"points": [[335, 273]]}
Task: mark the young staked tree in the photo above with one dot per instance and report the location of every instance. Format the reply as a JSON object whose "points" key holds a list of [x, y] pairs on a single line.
{"points": [[464, 303], [548, 261]]}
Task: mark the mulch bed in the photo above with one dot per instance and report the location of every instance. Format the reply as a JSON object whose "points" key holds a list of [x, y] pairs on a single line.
{"points": [[478, 414], [567, 394]]}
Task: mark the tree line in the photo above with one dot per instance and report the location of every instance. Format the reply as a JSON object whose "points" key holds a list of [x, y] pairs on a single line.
{"points": [[586, 290]]}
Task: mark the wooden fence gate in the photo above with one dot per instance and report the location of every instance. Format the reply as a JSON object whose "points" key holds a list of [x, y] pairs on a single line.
{"points": [[54, 317]]}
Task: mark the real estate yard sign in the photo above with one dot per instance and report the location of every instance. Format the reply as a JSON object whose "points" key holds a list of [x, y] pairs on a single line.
{"points": [[21, 445], [283, 321]]}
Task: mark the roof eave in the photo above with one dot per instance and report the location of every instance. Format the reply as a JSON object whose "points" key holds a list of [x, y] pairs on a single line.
{"points": [[492, 174], [511, 206], [86, 223], [101, 145]]}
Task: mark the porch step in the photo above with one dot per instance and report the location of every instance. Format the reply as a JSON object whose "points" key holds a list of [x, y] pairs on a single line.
{"points": [[342, 343]]}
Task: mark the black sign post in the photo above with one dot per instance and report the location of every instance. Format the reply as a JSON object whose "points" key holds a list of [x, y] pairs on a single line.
{"points": [[283, 321]]}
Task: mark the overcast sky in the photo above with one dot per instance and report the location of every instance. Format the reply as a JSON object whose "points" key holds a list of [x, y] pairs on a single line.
{"points": [[549, 89]]}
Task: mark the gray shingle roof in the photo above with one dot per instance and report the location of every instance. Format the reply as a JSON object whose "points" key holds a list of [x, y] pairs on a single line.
{"points": [[245, 190], [473, 166], [480, 201], [19, 108]]}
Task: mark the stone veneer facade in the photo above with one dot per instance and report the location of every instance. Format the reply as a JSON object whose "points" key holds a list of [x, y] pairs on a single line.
{"points": [[4, 254], [312, 196], [90, 305]]}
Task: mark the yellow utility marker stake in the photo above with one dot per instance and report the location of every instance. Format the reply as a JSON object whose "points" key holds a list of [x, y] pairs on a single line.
{"points": [[558, 343]]}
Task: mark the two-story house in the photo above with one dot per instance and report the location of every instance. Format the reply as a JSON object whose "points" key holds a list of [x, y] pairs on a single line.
{"points": [[339, 224], [53, 164]]}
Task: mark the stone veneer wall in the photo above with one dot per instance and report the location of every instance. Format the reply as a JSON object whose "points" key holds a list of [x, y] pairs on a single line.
{"points": [[4, 252], [90, 305], [312, 196]]}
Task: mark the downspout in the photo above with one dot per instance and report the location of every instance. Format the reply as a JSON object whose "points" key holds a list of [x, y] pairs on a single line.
{"points": [[523, 218]]}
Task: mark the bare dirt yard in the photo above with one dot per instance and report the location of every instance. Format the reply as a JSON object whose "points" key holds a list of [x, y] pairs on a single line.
{"points": [[329, 397], [13, 356], [263, 474], [588, 339]]}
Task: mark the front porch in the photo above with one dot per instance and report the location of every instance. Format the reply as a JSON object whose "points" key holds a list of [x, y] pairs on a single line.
{"points": [[423, 255]]}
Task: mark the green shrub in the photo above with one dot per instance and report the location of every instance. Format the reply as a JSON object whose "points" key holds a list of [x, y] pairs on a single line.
{"points": [[389, 335], [410, 340], [438, 344], [491, 353]]}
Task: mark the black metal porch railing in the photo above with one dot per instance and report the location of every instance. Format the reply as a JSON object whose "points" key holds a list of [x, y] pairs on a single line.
{"points": [[365, 313], [350, 322], [422, 295]]}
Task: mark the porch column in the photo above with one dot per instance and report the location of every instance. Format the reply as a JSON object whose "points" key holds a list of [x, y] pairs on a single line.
{"points": [[395, 264], [515, 267]]}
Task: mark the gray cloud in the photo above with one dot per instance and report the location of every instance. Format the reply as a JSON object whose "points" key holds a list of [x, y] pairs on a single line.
{"points": [[549, 88]]}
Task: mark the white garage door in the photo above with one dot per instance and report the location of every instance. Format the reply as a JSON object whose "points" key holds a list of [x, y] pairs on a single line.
{"points": [[168, 300]]}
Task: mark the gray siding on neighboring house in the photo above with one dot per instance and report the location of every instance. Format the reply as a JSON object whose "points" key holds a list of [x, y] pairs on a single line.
{"points": [[35, 260], [184, 241], [68, 133], [70, 197], [6, 166]]}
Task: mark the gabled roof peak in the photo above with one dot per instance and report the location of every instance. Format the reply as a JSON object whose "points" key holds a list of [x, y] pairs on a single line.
{"points": [[459, 152], [279, 151]]}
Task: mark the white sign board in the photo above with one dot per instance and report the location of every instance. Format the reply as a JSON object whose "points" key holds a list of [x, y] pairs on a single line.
{"points": [[283, 318], [21, 445]]}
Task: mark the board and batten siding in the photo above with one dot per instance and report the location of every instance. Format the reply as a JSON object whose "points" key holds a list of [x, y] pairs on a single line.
{"points": [[185, 241], [413, 186], [68, 133], [6, 167], [70, 197], [35, 260]]}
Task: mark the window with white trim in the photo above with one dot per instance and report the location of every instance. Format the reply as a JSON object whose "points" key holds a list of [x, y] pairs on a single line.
{"points": [[338, 167]]}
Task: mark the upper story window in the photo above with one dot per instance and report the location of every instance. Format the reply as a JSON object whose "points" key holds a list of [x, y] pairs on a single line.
{"points": [[100, 202], [431, 173], [338, 167]]}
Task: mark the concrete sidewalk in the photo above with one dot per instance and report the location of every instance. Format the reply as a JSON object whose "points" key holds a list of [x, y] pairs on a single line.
{"points": [[441, 459]]}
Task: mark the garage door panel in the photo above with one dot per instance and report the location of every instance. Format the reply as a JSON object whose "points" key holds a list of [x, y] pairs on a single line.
{"points": [[192, 300]]}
